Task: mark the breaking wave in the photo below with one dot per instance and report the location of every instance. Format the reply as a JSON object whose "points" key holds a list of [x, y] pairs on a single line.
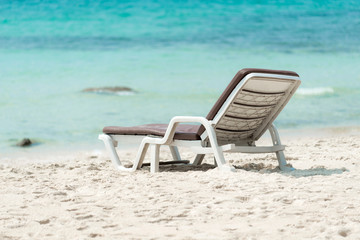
{"points": [[315, 91]]}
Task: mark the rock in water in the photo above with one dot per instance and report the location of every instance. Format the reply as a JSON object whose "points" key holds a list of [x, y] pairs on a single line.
{"points": [[110, 90], [24, 143]]}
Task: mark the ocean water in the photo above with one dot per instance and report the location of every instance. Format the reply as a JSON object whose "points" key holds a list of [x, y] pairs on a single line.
{"points": [[178, 56]]}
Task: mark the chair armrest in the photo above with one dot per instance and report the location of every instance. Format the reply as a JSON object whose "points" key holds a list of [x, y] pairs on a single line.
{"points": [[170, 131]]}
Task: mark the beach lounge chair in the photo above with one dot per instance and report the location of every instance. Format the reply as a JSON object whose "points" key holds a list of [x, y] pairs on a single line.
{"points": [[244, 111]]}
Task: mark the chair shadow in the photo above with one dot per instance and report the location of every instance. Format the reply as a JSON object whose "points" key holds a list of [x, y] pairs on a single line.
{"points": [[321, 171], [318, 171], [183, 167], [253, 167]]}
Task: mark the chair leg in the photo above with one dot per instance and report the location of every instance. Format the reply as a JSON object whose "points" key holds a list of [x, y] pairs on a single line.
{"points": [[215, 163], [282, 161], [280, 154], [198, 159], [220, 160], [110, 147], [218, 152], [154, 161], [140, 156], [175, 153]]}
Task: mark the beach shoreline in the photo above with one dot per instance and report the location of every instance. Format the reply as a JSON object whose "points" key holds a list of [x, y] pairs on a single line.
{"points": [[81, 195], [44, 151]]}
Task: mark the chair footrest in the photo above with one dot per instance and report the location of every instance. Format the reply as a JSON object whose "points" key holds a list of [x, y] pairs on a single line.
{"points": [[243, 149], [250, 149]]}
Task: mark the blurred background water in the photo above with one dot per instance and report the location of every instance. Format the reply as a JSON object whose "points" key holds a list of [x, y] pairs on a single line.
{"points": [[177, 55]]}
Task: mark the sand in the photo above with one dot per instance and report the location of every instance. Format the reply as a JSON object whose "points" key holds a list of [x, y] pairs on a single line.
{"points": [[81, 196]]}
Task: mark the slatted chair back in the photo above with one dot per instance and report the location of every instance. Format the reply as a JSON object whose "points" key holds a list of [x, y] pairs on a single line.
{"points": [[250, 104]]}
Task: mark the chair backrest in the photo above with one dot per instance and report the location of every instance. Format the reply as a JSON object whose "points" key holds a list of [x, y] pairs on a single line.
{"points": [[250, 103]]}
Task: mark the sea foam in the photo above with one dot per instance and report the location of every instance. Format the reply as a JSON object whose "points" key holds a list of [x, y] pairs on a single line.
{"points": [[315, 91]]}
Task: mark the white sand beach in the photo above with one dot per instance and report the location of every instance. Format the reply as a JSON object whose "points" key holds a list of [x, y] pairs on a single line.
{"points": [[81, 196]]}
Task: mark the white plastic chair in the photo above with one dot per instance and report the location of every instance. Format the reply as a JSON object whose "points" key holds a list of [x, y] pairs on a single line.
{"points": [[245, 110]]}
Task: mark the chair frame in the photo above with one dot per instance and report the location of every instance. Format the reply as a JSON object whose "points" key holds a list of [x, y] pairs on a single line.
{"points": [[208, 143]]}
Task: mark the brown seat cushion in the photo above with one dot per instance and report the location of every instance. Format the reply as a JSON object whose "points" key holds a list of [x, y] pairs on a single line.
{"points": [[183, 131]]}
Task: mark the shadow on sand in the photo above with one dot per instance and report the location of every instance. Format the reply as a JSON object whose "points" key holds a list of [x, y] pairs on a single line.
{"points": [[182, 168], [321, 171], [254, 167]]}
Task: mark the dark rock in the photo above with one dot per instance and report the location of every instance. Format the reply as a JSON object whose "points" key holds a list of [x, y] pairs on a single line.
{"points": [[24, 143], [109, 90]]}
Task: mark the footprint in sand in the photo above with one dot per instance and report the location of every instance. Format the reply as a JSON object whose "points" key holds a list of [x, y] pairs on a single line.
{"points": [[46, 221]]}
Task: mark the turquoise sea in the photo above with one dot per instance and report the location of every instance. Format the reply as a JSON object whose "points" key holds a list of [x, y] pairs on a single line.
{"points": [[177, 55]]}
